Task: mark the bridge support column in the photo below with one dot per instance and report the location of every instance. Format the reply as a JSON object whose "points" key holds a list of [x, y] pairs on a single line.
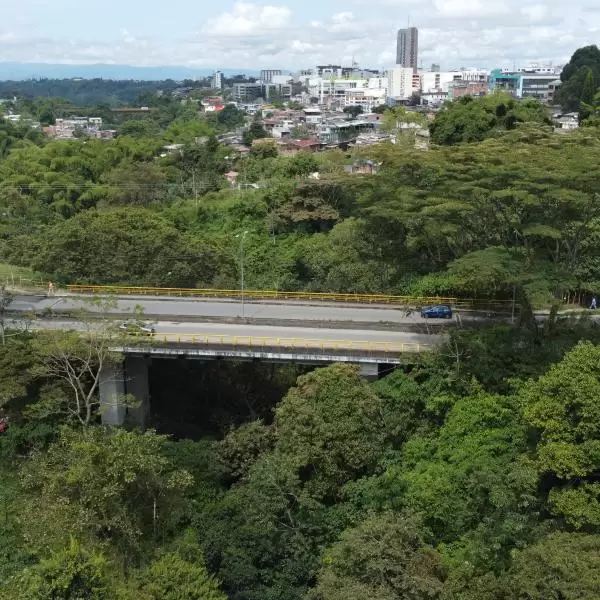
{"points": [[137, 385], [369, 371], [112, 390]]}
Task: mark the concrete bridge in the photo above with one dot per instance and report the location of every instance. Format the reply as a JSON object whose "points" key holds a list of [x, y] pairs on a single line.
{"points": [[131, 377], [372, 334]]}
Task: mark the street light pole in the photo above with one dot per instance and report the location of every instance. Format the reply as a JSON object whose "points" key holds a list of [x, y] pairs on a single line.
{"points": [[242, 236]]}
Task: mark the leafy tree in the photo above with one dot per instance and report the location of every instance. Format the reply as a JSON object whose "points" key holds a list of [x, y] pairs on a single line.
{"points": [[470, 480], [383, 558], [74, 359], [396, 117], [137, 184], [172, 577], [300, 132], [343, 260], [125, 245], [230, 117], [353, 111], [563, 565], [69, 574], [330, 426], [587, 56], [591, 112], [381, 109], [139, 128], [108, 486], [563, 407], [580, 78], [265, 535], [264, 150], [302, 164], [589, 88], [473, 119], [255, 132], [243, 446]]}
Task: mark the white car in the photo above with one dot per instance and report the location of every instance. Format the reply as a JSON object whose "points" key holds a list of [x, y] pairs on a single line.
{"points": [[134, 327]]}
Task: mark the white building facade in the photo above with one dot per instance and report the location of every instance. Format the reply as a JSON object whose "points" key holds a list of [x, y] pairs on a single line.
{"points": [[349, 91], [400, 83], [217, 81], [436, 82]]}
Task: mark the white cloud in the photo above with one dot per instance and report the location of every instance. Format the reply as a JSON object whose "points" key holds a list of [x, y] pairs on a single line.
{"points": [[535, 12], [291, 34], [470, 9], [342, 18], [249, 19]]}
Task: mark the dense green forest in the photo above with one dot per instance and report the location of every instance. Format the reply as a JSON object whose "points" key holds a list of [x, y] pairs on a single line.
{"points": [[517, 210], [470, 474], [473, 475], [84, 92], [91, 93]]}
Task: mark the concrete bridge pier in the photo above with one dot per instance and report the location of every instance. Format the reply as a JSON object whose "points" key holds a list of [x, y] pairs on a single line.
{"points": [[369, 371], [120, 380], [138, 386], [112, 392]]}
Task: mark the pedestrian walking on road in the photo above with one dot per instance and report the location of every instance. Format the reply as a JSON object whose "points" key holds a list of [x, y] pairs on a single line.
{"points": [[593, 306], [50, 289]]}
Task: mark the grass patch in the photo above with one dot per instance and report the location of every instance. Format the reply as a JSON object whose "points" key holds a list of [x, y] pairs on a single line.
{"points": [[14, 276]]}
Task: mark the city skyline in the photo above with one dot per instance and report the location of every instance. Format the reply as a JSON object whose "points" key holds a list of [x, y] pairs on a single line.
{"points": [[294, 34]]}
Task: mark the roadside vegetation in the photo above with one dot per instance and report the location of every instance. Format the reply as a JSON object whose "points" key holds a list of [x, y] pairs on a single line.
{"points": [[472, 474], [517, 210]]}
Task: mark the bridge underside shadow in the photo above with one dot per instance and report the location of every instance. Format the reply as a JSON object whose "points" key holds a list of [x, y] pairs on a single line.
{"points": [[121, 383]]}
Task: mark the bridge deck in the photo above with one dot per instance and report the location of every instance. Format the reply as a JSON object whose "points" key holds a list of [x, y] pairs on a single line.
{"points": [[311, 351]]}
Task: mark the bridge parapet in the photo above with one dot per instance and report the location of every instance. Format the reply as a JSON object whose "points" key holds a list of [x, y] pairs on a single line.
{"points": [[288, 349]]}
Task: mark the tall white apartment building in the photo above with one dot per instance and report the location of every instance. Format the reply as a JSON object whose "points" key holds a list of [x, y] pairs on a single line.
{"points": [[401, 83], [217, 80]]}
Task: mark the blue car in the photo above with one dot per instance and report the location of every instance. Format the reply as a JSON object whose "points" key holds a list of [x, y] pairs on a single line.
{"points": [[441, 311]]}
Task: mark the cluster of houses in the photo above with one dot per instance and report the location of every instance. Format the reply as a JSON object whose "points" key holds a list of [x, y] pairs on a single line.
{"points": [[90, 127], [312, 129]]}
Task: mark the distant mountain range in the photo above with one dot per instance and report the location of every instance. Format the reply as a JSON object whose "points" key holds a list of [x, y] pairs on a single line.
{"points": [[20, 71]]}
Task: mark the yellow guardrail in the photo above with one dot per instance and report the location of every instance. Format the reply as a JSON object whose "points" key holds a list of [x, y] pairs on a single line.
{"points": [[247, 341], [413, 301]]}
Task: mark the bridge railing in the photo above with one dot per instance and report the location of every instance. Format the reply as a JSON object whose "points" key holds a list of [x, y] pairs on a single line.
{"points": [[287, 343], [405, 301]]}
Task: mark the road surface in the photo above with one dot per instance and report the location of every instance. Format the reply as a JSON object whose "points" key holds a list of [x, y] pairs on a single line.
{"points": [[270, 336], [188, 308]]}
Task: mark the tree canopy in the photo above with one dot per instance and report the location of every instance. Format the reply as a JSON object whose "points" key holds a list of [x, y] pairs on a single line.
{"points": [[474, 119]]}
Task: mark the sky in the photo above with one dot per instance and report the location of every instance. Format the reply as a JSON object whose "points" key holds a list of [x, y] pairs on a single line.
{"points": [[294, 34]]}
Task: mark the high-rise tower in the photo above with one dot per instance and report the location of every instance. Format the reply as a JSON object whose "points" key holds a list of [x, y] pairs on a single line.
{"points": [[408, 48], [217, 80]]}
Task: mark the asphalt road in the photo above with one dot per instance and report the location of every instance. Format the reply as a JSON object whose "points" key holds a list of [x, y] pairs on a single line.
{"points": [[165, 308], [257, 335]]}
